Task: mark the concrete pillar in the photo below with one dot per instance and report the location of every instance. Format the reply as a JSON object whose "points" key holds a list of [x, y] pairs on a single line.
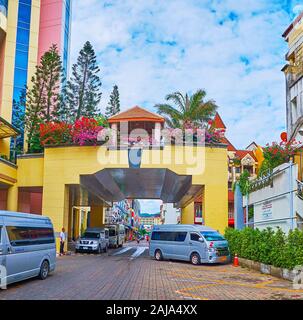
{"points": [[56, 207], [96, 216], [12, 198], [188, 214], [114, 128], [216, 206], [157, 133]]}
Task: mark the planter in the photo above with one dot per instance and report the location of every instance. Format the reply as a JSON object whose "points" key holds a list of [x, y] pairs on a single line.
{"points": [[265, 268], [281, 273], [255, 265]]}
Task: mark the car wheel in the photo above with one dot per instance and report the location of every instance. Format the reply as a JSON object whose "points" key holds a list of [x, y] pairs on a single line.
{"points": [[76, 251], [158, 255], [99, 249], [195, 259], [44, 270], [105, 249]]}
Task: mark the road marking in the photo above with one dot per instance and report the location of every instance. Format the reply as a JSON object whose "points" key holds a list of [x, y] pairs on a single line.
{"points": [[138, 252], [122, 251]]}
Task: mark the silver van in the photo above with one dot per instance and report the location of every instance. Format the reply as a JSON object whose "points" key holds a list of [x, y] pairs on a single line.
{"points": [[93, 240], [198, 244], [116, 235], [27, 247]]}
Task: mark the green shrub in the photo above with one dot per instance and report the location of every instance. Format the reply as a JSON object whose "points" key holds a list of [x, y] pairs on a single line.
{"points": [[267, 246]]}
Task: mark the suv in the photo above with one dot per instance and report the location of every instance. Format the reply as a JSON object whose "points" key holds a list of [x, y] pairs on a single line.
{"points": [[93, 240]]}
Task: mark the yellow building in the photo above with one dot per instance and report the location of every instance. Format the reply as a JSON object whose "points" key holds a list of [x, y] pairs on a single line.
{"points": [[71, 184]]}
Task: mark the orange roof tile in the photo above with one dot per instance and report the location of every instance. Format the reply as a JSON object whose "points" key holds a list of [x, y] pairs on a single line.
{"points": [[230, 147], [242, 153], [136, 114], [218, 122]]}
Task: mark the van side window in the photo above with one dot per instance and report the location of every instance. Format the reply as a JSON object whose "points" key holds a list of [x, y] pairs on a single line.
{"points": [[27, 236], [169, 236], [194, 237], [0, 234]]}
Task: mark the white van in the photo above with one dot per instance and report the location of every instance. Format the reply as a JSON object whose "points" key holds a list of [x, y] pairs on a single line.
{"points": [[198, 244], [27, 247]]}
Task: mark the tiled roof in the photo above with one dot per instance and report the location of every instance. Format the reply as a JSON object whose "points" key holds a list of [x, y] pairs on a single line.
{"points": [[242, 153], [218, 122], [136, 113], [230, 147]]}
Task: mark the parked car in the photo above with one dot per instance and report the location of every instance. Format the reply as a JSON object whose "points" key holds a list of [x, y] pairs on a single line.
{"points": [[198, 244], [116, 235], [27, 247], [93, 240]]}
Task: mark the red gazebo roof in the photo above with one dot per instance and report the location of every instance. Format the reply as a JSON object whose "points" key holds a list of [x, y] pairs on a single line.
{"points": [[136, 114]]}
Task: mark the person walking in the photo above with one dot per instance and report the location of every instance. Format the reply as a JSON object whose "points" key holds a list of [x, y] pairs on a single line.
{"points": [[62, 241]]}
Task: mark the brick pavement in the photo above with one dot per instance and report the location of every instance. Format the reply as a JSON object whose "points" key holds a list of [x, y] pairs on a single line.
{"points": [[109, 276]]}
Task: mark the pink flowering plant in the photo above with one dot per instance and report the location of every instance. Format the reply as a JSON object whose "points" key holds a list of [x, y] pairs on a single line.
{"points": [[85, 131], [276, 154]]}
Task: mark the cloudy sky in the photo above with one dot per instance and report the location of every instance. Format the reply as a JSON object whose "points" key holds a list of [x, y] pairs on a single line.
{"points": [[231, 48]]}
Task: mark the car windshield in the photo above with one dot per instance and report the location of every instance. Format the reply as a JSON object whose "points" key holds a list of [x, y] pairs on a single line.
{"points": [[91, 235], [212, 236]]}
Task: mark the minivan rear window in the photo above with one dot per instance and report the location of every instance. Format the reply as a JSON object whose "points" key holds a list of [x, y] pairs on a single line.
{"points": [[27, 236], [169, 236], [212, 236]]}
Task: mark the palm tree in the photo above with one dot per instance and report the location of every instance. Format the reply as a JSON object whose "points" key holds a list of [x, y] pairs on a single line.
{"points": [[190, 111]]}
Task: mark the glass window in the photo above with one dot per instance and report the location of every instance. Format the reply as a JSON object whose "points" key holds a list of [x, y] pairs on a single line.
{"points": [[0, 234], [23, 36], [24, 13], [212, 236], [169, 236], [21, 59], [20, 78], [26, 236], [194, 237]]}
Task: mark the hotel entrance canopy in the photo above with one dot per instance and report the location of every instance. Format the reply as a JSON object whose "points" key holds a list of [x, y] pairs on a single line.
{"points": [[7, 130], [113, 185]]}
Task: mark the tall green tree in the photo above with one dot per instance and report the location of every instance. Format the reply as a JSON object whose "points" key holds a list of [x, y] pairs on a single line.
{"points": [[83, 90], [43, 97], [113, 106], [188, 111]]}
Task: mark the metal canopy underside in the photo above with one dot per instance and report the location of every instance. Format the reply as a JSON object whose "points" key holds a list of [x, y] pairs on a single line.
{"points": [[7, 130], [137, 183]]}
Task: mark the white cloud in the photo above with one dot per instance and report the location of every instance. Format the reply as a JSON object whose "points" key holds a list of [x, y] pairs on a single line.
{"points": [[164, 46]]}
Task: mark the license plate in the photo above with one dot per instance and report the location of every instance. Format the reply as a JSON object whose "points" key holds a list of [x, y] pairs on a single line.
{"points": [[85, 248], [223, 259]]}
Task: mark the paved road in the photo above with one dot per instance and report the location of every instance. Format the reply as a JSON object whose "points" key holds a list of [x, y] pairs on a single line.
{"points": [[129, 273]]}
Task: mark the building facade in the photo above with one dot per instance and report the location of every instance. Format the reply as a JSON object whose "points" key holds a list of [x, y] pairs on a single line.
{"points": [[238, 162], [293, 71], [28, 28]]}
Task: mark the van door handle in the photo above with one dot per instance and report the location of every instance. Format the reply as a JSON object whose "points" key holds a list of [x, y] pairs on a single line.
{"points": [[190, 243]]}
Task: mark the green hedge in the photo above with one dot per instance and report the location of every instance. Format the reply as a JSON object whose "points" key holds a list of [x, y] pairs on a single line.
{"points": [[267, 246]]}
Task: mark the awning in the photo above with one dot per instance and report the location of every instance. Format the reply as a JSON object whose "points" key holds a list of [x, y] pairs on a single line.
{"points": [[7, 130]]}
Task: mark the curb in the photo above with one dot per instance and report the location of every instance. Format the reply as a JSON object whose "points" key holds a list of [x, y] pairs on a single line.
{"points": [[281, 273]]}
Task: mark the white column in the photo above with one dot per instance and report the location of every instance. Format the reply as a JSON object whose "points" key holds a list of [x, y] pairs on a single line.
{"points": [[114, 128], [157, 134]]}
